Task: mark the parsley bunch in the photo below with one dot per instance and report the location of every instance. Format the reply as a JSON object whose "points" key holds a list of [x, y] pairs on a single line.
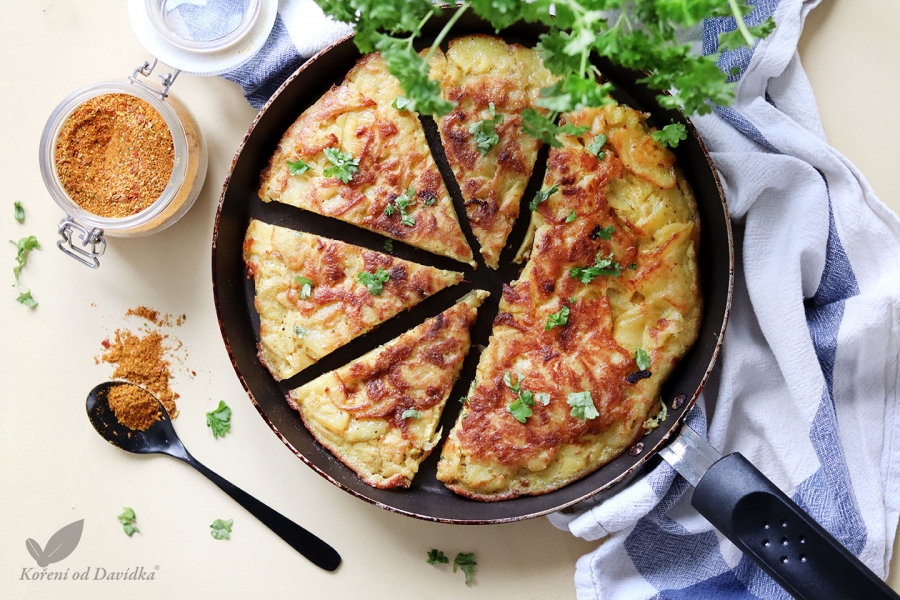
{"points": [[640, 35]]}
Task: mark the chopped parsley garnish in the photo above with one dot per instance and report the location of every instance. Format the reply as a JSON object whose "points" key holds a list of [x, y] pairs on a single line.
{"points": [[633, 266], [401, 103], [26, 299], [601, 266], [343, 165], [24, 246], [605, 233], [520, 408], [18, 211], [411, 413], [221, 530], [558, 319], [436, 557], [571, 217], [306, 286], [642, 359], [485, 131], [582, 404], [466, 563], [298, 167], [127, 519], [388, 245], [670, 135], [400, 204], [219, 420], [596, 146], [463, 399], [299, 331], [542, 195], [374, 281]]}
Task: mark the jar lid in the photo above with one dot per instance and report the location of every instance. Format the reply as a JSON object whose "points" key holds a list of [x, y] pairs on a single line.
{"points": [[203, 37]]}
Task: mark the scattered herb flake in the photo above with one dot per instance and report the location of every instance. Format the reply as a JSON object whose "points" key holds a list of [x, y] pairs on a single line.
{"points": [[343, 165], [557, 319], [571, 217], [388, 245], [221, 530], [219, 420], [18, 211], [374, 281], [400, 204], [411, 413], [596, 146], [127, 519], [24, 246], [606, 232], [642, 359], [601, 266], [299, 331], [401, 103], [466, 563], [670, 135], [582, 404], [306, 286], [485, 131], [541, 196], [633, 266], [436, 557], [26, 299], [298, 167]]}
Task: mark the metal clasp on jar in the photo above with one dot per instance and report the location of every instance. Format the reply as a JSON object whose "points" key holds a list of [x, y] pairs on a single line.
{"points": [[146, 69], [93, 238]]}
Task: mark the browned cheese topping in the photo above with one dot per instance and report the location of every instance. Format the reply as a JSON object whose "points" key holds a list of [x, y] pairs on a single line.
{"points": [[114, 155], [134, 408]]}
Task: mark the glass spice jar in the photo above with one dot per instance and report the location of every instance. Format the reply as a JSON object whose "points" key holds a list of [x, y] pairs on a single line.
{"points": [[184, 182]]}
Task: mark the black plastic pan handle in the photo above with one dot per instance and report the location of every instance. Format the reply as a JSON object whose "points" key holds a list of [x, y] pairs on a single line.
{"points": [[769, 527]]}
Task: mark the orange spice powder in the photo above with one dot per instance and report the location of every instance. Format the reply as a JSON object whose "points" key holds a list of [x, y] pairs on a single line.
{"points": [[141, 360], [134, 408]]}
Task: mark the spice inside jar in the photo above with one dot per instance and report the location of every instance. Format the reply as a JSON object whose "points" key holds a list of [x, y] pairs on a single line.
{"points": [[114, 155]]}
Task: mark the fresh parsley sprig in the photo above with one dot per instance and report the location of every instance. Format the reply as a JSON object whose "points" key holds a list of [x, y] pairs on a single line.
{"points": [[520, 408], [485, 131], [541, 196], [582, 404], [557, 319], [374, 281], [343, 165], [466, 563], [602, 266], [219, 420], [400, 204], [127, 519]]}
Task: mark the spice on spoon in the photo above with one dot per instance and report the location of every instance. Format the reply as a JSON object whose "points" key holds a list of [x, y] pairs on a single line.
{"points": [[134, 408], [114, 155]]}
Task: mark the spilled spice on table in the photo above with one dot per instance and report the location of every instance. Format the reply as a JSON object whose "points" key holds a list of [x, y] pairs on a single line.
{"points": [[134, 408], [145, 357]]}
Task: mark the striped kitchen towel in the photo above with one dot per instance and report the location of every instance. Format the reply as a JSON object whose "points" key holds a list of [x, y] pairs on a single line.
{"points": [[807, 382]]}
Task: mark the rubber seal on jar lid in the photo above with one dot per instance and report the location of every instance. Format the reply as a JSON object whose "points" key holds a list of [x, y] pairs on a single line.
{"points": [[203, 37]]}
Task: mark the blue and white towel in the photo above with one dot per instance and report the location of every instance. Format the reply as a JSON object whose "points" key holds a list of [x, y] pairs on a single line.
{"points": [[807, 383]]}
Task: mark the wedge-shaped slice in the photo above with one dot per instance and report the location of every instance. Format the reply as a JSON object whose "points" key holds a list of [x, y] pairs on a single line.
{"points": [[355, 157], [314, 295], [379, 413], [612, 270], [492, 82]]}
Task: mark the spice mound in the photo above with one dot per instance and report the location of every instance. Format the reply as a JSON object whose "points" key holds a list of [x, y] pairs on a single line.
{"points": [[114, 155], [141, 360], [134, 407]]}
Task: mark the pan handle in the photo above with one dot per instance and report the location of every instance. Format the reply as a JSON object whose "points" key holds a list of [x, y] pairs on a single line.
{"points": [[772, 530]]}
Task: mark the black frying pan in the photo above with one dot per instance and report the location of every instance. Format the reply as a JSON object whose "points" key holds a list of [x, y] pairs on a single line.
{"points": [[427, 498]]}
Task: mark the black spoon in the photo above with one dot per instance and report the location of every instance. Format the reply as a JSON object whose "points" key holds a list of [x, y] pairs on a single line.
{"points": [[160, 438]]}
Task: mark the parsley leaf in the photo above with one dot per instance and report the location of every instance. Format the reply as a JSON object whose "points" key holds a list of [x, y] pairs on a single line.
{"points": [[541, 196], [605, 233], [670, 135], [388, 245], [520, 408], [642, 359], [582, 404], [596, 146], [26, 299], [18, 211], [543, 128], [374, 281], [557, 319], [411, 413], [343, 165], [401, 103], [306, 286], [24, 246], [436, 557], [601, 266], [221, 530], [400, 204], [571, 217], [466, 563], [219, 420], [298, 167], [485, 131], [127, 519]]}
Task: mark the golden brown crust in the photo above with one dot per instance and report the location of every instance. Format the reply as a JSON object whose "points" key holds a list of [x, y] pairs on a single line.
{"points": [[635, 190], [296, 328], [478, 71], [356, 411], [357, 117]]}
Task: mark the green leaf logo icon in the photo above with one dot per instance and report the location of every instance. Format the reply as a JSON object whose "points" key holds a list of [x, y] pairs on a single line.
{"points": [[60, 545]]}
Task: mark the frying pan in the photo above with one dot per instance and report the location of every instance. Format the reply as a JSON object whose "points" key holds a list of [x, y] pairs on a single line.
{"points": [[726, 506]]}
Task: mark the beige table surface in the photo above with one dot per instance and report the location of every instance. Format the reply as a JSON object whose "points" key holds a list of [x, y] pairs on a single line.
{"points": [[55, 470]]}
